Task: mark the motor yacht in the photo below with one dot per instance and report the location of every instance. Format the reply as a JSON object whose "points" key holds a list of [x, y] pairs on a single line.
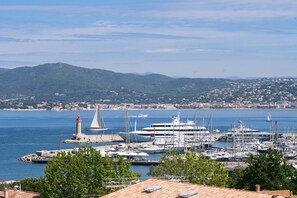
{"points": [[173, 132], [242, 133]]}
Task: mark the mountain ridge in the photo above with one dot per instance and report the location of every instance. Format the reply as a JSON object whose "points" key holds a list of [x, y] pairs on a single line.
{"points": [[60, 82], [78, 83]]}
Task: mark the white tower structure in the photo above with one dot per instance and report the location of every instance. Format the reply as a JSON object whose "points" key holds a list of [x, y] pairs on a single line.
{"points": [[78, 134]]}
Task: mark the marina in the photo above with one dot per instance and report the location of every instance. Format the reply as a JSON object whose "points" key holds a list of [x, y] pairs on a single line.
{"points": [[243, 144], [136, 162], [24, 133]]}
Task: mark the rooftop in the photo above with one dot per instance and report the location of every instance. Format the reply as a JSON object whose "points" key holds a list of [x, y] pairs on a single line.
{"points": [[12, 193], [174, 189]]}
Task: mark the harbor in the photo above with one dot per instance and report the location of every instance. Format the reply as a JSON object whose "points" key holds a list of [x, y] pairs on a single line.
{"points": [[45, 156], [53, 128], [140, 146]]}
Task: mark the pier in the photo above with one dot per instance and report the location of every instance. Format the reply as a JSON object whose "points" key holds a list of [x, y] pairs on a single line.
{"points": [[80, 137], [43, 156], [139, 162], [95, 139], [144, 162]]}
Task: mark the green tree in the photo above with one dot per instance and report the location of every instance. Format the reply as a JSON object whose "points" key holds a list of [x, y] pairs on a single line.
{"points": [[270, 170], [83, 173], [31, 184], [192, 166]]}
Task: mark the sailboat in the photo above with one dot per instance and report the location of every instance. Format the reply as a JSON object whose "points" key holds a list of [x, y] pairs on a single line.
{"points": [[269, 119], [97, 123]]}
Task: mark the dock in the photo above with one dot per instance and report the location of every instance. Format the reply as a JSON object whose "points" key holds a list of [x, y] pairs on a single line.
{"points": [[42, 157], [144, 162], [107, 138], [152, 162], [80, 137], [95, 139], [289, 135]]}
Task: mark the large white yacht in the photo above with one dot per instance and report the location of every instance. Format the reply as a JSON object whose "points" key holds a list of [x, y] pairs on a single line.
{"points": [[169, 133], [242, 133]]}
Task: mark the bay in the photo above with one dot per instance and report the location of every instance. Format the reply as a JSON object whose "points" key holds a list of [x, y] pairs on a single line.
{"points": [[24, 132]]}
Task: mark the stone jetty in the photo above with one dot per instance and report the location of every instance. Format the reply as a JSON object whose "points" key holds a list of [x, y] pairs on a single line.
{"points": [[80, 137], [95, 138]]}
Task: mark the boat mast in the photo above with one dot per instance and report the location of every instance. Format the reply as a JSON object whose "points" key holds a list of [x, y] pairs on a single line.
{"points": [[102, 123], [98, 116], [242, 135], [127, 128], [273, 128], [135, 125]]}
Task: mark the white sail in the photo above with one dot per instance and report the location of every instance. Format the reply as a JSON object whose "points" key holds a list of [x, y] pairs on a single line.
{"points": [[96, 125], [96, 118], [269, 119]]}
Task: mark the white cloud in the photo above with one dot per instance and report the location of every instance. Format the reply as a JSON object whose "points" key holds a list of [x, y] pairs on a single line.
{"points": [[233, 10], [222, 15], [164, 50], [66, 9], [188, 50], [166, 34]]}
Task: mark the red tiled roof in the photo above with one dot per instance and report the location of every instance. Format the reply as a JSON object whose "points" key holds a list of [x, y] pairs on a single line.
{"points": [[277, 192], [172, 189], [16, 194]]}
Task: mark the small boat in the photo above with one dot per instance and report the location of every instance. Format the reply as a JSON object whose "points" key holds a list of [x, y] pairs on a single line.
{"points": [[151, 149], [268, 118], [127, 154], [216, 131], [97, 123], [141, 115]]}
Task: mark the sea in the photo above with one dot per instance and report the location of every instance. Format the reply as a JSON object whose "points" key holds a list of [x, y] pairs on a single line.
{"points": [[25, 132]]}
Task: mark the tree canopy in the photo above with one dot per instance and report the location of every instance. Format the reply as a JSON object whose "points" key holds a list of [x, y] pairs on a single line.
{"points": [[83, 173], [192, 166], [270, 170]]}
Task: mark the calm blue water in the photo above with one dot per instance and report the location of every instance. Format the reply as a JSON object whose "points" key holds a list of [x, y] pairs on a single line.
{"points": [[22, 133]]}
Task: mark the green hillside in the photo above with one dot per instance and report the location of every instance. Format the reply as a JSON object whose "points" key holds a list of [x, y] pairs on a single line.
{"points": [[63, 82]]}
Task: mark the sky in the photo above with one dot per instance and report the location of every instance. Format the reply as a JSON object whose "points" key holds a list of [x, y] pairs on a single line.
{"points": [[179, 38]]}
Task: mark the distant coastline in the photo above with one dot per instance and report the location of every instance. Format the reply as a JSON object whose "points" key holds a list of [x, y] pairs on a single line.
{"points": [[137, 109]]}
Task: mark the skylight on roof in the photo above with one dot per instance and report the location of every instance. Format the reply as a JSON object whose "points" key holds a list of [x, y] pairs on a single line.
{"points": [[152, 188], [189, 193]]}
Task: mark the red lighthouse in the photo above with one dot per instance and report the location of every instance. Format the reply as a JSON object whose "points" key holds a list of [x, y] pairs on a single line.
{"points": [[78, 126]]}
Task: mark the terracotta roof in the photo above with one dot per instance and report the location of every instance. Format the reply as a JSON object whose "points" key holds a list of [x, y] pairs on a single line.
{"points": [[172, 189], [11, 193], [277, 192]]}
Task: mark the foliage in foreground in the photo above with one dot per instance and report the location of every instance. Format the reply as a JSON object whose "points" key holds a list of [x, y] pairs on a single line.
{"points": [[81, 174], [270, 170], [193, 167], [31, 184]]}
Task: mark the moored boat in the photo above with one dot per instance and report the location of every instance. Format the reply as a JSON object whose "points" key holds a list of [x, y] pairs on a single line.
{"points": [[242, 133], [175, 131]]}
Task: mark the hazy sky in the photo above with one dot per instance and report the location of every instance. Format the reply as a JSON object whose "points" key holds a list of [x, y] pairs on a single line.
{"points": [[192, 38]]}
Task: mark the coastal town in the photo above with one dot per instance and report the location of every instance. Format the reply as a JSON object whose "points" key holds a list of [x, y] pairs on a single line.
{"points": [[264, 93], [59, 106]]}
